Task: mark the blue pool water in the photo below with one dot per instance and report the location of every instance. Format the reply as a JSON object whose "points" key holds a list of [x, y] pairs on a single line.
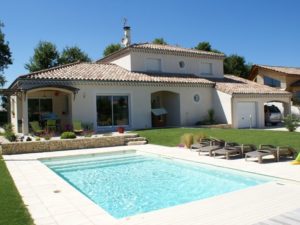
{"points": [[127, 184]]}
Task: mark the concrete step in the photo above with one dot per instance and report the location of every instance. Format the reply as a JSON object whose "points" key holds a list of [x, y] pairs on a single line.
{"points": [[136, 142], [135, 139]]}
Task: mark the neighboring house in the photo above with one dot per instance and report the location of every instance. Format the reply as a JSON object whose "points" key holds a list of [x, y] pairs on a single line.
{"points": [[134, 85], [284, 78]]}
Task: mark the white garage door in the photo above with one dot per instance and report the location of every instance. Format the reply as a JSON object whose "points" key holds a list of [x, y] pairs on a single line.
{"points": [[246, 114]]}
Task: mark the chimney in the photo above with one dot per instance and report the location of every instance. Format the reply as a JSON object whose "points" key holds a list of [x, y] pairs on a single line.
{"points": [[126, 41]]}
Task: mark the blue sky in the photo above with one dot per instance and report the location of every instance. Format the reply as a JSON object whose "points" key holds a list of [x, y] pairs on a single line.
{"points": [[263, 31]]}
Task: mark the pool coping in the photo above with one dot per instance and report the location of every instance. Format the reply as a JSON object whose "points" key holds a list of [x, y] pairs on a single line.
{"points": [[51, 200]]}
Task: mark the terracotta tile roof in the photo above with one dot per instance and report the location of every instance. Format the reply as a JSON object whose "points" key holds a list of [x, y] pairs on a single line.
{"points": [[172, 48], [282, 69], [162, 49], [111, 73], [231, 84]]}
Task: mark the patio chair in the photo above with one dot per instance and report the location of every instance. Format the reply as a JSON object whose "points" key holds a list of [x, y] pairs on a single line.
{"points": [[202, 143], [285, 151], [51, 125], [77, 127], [230, 148], [208, 147], [262, 151], [36, 128]]}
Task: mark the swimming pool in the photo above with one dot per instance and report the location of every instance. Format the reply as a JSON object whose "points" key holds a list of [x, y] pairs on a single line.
{"points": [[129, 183]]}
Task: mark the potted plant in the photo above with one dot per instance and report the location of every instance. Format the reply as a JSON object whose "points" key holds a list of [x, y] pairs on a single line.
{"points": [[121, 130]]}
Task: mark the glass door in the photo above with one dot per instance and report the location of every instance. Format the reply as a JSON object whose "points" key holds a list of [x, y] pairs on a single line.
{"points": [[112, 111]]}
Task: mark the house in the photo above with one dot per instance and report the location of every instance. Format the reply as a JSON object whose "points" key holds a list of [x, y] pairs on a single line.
{"points": [[137, 84], [284, 78]]}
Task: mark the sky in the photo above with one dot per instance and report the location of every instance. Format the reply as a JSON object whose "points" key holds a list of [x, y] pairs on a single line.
{"points": [[263, 31]]}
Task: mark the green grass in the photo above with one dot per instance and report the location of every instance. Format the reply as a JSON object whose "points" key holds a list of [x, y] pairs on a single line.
{"points": [[171, 137], [12, 208]]}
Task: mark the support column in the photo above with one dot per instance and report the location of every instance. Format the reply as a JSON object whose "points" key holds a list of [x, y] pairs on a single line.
{"points": [[25, 129], [287, 108]]}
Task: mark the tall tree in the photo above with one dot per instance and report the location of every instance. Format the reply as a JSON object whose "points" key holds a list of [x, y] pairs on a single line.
{"points": [[204, 46], [159, 41], [5, 55], [45, 56], [111, 49], [236, 65], [72, 54]]}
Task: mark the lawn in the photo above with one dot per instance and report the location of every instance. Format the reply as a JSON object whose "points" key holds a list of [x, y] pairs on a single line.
{"points": [[12, 208], [171, 136]]}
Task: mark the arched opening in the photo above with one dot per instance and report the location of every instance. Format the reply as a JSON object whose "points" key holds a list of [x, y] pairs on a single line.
{"points": [[165, 106], [275, 111], [46, 103]]}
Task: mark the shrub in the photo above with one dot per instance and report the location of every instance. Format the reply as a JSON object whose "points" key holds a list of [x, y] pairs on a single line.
{"points": [[187, 139], [198, 137], [37, 139], [68, 135], [9, 134], [48, 136], [291, 122]]}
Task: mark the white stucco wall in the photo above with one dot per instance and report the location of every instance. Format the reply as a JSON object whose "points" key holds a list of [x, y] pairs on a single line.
{"points": [[222, 107], [260, 115], [170, 64], [84, 105], [124, 61]]}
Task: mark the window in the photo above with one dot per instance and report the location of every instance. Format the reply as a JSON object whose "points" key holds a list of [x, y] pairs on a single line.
{"points": [[271, 82], [37, 107], [181, 64], [153, 65], [206, 68], [112, 110]]}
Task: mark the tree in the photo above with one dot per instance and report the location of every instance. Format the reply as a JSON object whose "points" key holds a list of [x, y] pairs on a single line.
{"points": [[159, 41], [72, 54], [236, 65], [45, 56], [206, 46], [5, 55], [111, 49]]}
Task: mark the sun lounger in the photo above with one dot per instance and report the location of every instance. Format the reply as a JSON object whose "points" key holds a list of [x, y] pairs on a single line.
{"points": [[285, 151], [228, 150], [263, 150], [210, 147], [258, 154]]}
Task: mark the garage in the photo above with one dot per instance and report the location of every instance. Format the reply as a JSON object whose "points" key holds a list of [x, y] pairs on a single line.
{"points": [[246, 114]]}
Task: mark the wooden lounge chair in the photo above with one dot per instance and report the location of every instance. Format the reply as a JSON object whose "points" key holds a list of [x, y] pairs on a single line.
{"points": [[230, 148], [263, 150], [36, 128], [285, 151], [209, 147], [77, 128], [204, 142]]}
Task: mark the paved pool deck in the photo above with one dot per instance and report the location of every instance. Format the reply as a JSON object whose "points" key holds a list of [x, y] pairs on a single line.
{"points": [[51, 200]]}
